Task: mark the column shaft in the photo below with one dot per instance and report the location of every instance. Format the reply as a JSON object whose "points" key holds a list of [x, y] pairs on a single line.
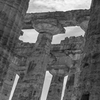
{"points": [[12, 13], [55, 90], [90, 69], [69, 87], [11, 16]]}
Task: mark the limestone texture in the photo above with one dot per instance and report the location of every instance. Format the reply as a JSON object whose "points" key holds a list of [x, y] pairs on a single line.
{"points": [[74, 46], [12, 13], [69, 18], [77, 57], [55, 89], [89, 80]]}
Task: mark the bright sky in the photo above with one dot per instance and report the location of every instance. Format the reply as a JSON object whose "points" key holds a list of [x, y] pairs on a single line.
{"points": [[54, 5], [57, 5]]}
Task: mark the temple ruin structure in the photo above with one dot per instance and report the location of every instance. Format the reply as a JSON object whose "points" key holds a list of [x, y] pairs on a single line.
{"points": [[77, 57]]}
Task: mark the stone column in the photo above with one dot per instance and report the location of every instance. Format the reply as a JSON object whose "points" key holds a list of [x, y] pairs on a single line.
{"points": [[20, 70], [55, 90], [73, 77], [9, 79], [73, 47], [90, 66], [12, 13], [11, 16], [38, 60], [69, 86]]}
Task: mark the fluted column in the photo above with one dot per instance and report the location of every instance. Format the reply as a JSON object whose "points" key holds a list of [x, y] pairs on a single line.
{"points": [[9, 79], [17, 66], [56, 86], [20, 70], [11, 17], [90, 67], [12, 13], [38, 60]]}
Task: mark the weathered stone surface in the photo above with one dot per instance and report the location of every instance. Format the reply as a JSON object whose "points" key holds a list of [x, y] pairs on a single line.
{"points": [[4, 64], [59, 66], [90, 67], [68, 18], [12, 13], [30, 61], [11, 21], [51, 26], [83, 81], [73, 47], [73, 78], [23, 48]]}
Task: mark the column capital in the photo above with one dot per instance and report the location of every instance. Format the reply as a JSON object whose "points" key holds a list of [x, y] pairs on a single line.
{"points": [[51, 26], [60, 70]]}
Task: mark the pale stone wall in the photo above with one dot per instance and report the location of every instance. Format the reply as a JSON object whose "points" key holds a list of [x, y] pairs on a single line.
{"points": [[55, 90]]}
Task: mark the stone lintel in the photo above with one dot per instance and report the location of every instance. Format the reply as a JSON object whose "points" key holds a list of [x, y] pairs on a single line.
{"points": [[59, 71], [68, 18]]}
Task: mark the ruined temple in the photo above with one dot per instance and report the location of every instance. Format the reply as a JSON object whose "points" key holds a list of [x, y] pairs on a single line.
{"points": [[77, 57]]}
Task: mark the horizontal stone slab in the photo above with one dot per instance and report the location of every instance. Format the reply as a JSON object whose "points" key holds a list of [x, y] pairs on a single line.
{"points": [[68, 18]]}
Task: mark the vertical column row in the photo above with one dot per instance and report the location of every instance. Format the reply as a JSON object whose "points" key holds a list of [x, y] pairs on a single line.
{"points": [[71, 91], [12, 15]]}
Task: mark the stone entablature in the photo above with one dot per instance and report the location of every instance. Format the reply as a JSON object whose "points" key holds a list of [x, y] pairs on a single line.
{"points": [[71, 43], [67, 48], [66, 19], [12, 14]]}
